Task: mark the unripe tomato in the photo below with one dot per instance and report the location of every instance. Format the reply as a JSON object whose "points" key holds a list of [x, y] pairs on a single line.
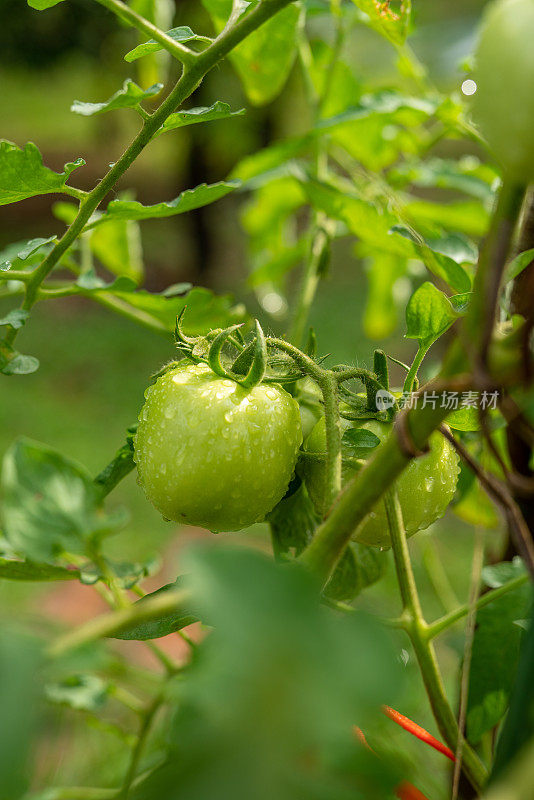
{"points": [[503, 104], [213, 454], [425, 488]]}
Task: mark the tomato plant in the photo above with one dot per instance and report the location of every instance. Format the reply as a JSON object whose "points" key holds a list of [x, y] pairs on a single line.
{"points": [[268, 264]]}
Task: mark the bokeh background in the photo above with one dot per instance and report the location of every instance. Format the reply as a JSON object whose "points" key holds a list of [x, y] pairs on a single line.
{"points": [[95, 365]]}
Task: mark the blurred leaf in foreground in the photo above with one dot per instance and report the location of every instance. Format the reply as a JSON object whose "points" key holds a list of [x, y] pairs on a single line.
{"points": [[268, 708]]}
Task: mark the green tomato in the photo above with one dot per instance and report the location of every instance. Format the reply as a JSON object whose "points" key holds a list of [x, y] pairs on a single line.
{"points": [[213, 454], [425, 488], [503, 104]]}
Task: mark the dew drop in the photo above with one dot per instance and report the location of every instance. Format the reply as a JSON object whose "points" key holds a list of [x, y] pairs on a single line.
{"points": [[429, 483], [169, 412], [229, 416]]}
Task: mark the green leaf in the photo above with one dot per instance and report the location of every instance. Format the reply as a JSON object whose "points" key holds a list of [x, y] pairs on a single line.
{"points": [[390, 23], [50, 504], [205, 310], [264, 59], [41, 5], [360, 442], [22, 173], [465, 216], [467, 175], [293, 521], [20, 661], [117, 245], [17, 364], [128, 97], [167, 623], [256, 700], [495, 650], [80, 692], [127, 574], [269, 159], [182, 34], [192, 116], [188, 200], [121, 465], [515, 267], [16, 318], [14, 570], [443, 256], [31, 252], [429, 314], [359, 567]]}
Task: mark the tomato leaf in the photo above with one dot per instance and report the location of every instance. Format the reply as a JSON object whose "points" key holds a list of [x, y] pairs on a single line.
{"points": [[429, 314], [16, 318], [22, 173], [188, 200], [192, 116], [264, 59], [390, 23], [182, 34], [50, 504], [31, 252], [495, 653], [12, 569], [167, 623], [79, 692], [129, 96]]}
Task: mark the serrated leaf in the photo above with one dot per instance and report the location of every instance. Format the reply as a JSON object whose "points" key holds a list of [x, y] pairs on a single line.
{"points": [[23, 175], [495, 652], [129, 96], [182, 34], [167, 623], [192, 116], [80, 692], [264, 59], [16, 318], [31, 252], [429, 314], [50, 504], [12, 569], [190, 199]]}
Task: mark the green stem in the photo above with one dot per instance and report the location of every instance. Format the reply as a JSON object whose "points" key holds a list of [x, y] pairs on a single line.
{"points": [[328, 385], [417, 630], [191, 77], [445, 622], [127, 14], [479, 323], [412, 373], [15, 275], [108, 625], [365, 490], [146, 724]]}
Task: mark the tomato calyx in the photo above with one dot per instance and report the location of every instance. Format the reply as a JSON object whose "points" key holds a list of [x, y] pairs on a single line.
{"points": [[230, 355]]}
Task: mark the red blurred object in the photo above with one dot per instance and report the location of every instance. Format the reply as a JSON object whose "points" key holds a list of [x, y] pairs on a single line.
{"points": [[406, 791], [418, 731]]}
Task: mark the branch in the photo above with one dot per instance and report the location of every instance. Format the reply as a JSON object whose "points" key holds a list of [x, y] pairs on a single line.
{"points": [[179, 51]]}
